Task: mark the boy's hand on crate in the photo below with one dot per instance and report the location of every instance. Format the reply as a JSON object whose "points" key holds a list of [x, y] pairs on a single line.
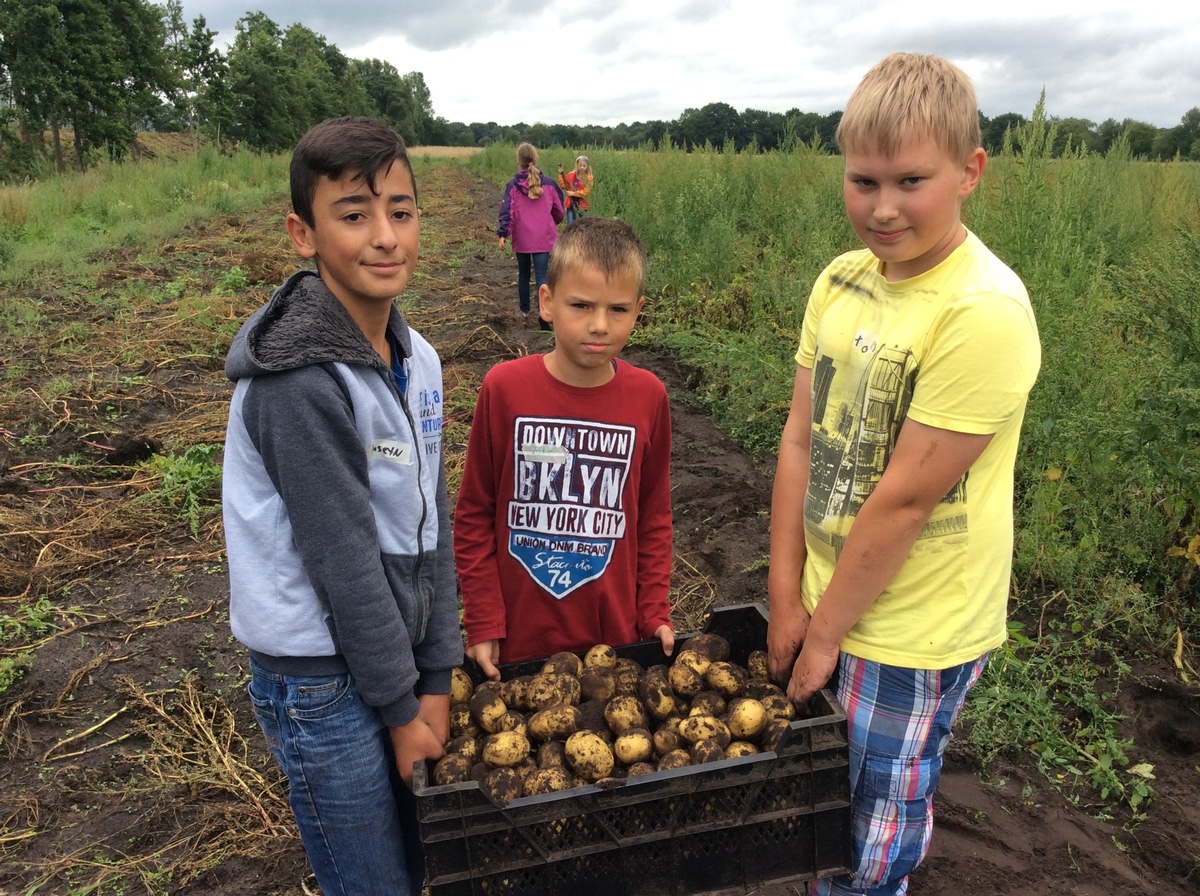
{"points": [[665, 634], [414, 742], [486, 655]]}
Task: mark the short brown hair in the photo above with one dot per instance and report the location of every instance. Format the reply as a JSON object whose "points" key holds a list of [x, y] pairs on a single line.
{"points": [[912, 95], [360, 145], [607, 244]]}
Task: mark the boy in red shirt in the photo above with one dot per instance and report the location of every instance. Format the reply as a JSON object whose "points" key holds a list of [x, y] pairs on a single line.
{"points": [[562, 531]]}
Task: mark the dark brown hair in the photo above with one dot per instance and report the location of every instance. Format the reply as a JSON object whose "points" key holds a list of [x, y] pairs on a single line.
{"points": [[362, 146]]}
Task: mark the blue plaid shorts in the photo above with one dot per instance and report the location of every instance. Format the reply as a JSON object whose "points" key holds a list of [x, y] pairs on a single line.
{"points": [[899, 723]]}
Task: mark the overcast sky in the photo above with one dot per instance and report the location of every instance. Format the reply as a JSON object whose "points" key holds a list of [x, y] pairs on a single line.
{"points": [[511, 61]]}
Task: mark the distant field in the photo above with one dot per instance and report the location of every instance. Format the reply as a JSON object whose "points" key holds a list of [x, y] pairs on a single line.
{"points": [[444, 152]]}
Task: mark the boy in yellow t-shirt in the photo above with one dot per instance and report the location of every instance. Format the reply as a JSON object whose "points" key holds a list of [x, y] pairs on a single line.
{"points": [[891, 517]]}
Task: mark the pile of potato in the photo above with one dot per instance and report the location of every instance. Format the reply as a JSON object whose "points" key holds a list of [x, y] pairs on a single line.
{"points": [[603, 717]]}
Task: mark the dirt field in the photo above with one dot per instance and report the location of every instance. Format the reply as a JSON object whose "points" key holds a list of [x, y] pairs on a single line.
{"points": [[119, 747]]}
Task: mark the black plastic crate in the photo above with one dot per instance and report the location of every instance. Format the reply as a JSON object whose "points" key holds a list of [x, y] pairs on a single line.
{"points": [[725, 827]]}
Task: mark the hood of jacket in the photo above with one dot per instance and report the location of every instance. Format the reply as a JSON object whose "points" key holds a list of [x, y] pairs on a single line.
{"points": [[303, 323]]}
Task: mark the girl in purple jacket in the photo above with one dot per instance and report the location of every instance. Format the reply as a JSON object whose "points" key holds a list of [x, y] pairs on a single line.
{"points": [[530, 213]]}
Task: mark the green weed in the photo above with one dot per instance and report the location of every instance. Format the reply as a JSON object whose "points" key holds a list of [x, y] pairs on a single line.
{"points": [[188, 482]]}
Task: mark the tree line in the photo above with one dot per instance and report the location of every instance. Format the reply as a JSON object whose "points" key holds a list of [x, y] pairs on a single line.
{"points": [[102, 70]]}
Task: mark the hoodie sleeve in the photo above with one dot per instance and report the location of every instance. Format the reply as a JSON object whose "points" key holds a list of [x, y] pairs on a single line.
{"points": [[302, 425]]}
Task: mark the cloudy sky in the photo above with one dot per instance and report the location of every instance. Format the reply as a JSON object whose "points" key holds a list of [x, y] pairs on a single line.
{"points": [[513, 61]]}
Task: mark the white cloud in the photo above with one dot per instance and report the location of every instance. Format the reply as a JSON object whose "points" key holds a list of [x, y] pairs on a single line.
{"points": [[634, 60]]}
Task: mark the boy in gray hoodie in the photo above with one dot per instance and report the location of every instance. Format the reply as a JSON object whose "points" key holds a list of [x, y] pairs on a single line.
{"points": [[336, 516]]}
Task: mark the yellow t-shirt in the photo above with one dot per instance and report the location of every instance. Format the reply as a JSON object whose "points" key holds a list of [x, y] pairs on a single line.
{"points": [[956, 348]]}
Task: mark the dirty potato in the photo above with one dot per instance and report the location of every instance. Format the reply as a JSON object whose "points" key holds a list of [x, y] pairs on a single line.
{"points": [[551, 688], [547, 780], [597, 683], [726, 678], [746, 718], [505, 749], [739, 748], [707, 703], [461, 686], [693, 660], [624, 712], [694, 729], [589, 756], [779, 707], [501, 785], [634, 745], [486, 710], [555, 723], [564, 663], [453, 768], [703, 751], [685, 681], [515, 692], [602, 655], [654, 690], [756, 665], [711, 645], [675, 759], [552, 754]]}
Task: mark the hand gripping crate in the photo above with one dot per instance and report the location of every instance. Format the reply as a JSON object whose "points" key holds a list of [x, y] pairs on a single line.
{"points": [[730, 827]]}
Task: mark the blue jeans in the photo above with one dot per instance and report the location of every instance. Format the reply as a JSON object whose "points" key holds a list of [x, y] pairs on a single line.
{"points": [[573, 213], [530, 262], [356, 818]]}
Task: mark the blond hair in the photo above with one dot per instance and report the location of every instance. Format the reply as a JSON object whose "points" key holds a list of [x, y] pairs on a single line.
{"points": [[909, 95], [527, 156], [607, 244]]}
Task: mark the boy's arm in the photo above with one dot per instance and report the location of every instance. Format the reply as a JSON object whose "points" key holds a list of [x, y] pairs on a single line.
{"points": [[926, 464], [788, 617], [654, 528], [475, 536]]}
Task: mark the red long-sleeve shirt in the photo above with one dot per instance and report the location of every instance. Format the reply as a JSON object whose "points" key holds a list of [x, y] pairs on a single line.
{"points": [[562, 531]]}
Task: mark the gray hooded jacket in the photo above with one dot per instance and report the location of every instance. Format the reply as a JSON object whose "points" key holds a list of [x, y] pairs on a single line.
{"points": [[336, 518]]}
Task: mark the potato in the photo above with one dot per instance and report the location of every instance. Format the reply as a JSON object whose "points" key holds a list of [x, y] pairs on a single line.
{"points": [[779, 707], [707, 703], [739, 748], [756, 665], [505, 749], [628, 676], [746, 718], [492, 688], [693, 660], [634, 745], [467, 745], [758, 689], [453, 768], [773, 732], [555, 723], [694, 729], [675, 759], [703, 751], [726, 678], [564, 663], [552, 754], [589, 756], [666, 738], [685, 681], [547, 780], [501, 785], [515, 692], [597, 683], [602, 655], [624, 712], [551, 688], [709, 644], [511, 721], [638, 769], [486, 710], [461, 722], [654, 690], [591, 718], [461, 686]]}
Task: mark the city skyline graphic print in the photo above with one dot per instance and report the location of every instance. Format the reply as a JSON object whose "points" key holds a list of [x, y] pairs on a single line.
{"points": [[567, 511], [857, 414]]}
